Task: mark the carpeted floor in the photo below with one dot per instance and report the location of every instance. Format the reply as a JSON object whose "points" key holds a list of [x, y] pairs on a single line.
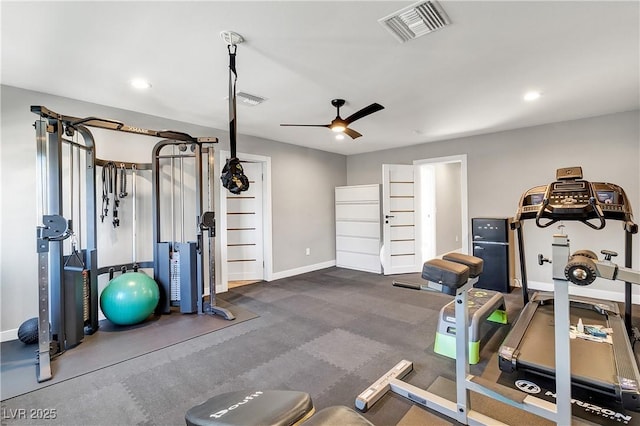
{"points": [[330, 333]]}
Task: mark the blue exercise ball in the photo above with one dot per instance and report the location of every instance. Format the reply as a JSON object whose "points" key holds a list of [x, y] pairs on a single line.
{"points": [[129, 298]]}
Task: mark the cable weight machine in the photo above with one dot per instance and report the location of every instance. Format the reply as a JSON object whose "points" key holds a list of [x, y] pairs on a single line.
{"points": [[179, 268], [67, 238]]}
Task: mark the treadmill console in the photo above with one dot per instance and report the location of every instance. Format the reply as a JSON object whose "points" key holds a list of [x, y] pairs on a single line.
{"points": [[572, 198]]}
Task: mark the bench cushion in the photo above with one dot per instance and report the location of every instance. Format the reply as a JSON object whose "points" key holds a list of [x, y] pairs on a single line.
{"points": [[449, 274], [475, 264], [252, 408]]}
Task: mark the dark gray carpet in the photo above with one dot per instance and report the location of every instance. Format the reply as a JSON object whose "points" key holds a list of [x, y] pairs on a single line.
{"points": [[111, 345], [330, 333]]}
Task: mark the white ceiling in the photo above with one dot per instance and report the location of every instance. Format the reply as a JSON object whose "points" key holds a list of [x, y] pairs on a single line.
{"points": [[465, 79]]}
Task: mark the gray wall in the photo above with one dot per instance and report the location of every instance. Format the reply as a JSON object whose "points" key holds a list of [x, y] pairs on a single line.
{"points": [[448, 208], [303, 182], [501, 166]]}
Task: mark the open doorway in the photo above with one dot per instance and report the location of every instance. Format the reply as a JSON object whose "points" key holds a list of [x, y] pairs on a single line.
{"points": [[442, 206]]}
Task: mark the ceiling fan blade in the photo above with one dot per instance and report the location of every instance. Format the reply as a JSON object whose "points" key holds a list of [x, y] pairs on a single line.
{"points": [[352, 133], [306, 125], [374, 107]]}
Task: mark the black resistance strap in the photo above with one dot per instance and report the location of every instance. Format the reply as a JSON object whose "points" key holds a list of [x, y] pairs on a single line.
{"points": [[233, 177], [110, 186]]}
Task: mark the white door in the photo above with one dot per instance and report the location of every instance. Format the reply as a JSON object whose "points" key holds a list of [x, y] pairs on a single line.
{"points": [[400, 251], [245, 253]]}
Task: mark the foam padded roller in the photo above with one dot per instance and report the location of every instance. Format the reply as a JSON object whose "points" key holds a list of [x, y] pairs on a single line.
{"points": [[475, 264], [450, 274], [338, 415], [252, 408]]}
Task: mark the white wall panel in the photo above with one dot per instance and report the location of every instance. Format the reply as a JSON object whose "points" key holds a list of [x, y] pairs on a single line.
{"points": [[357, 244], [369, 212], [358, 229], [358, 261], [354, 194]]}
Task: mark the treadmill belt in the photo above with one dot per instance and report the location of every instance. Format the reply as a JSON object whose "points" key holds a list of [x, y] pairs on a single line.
{"points": [[591, 362]]}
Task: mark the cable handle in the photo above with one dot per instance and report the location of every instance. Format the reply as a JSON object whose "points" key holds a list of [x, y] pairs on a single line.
{"points": [[123, 181]]}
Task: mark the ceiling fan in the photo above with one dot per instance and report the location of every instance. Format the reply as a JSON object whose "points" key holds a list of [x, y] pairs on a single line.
{"points": [[339, 124]]}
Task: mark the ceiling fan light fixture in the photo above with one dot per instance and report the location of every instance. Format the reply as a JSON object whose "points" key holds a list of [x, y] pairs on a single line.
{"points": [[340, 125], [340, 136]]}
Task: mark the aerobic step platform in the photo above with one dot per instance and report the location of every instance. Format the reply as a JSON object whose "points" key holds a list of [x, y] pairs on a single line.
{"points": [[484, 305]]}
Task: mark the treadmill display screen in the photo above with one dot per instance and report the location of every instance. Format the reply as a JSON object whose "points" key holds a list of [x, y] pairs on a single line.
{"points": [[569, 186], [536, 199], [607, 197]]}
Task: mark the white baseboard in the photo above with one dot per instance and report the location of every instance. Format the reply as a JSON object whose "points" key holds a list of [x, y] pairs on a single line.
{"points": [[7, 335], [302, 270], [585, 291]]}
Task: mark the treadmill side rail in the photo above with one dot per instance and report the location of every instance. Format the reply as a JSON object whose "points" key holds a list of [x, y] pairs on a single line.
{"points": [[508, 352], [628, 374]]}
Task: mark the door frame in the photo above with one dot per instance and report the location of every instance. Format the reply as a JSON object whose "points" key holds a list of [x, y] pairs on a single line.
{"points": [[464, 197], [222, 277]]}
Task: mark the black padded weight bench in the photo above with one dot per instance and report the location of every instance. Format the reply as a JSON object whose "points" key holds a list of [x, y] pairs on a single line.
{"points": [[269, 408], [446, 275]]}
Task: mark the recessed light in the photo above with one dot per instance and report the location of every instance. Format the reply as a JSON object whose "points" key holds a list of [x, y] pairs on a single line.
{"points": [[531, 96], [339, 136], [140, 83]]}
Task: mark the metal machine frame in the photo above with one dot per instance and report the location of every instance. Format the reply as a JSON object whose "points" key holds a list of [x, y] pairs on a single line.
{"points": [[186, 254], [60, 326], [59, 322], [460, 409]]}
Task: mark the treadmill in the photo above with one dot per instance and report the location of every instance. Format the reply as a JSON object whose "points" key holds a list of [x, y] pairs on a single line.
{"points": [[609, 369]]}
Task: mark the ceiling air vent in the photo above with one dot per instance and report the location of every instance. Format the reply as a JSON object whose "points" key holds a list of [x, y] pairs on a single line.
{"points": [[416, 20], [248, 99]]}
